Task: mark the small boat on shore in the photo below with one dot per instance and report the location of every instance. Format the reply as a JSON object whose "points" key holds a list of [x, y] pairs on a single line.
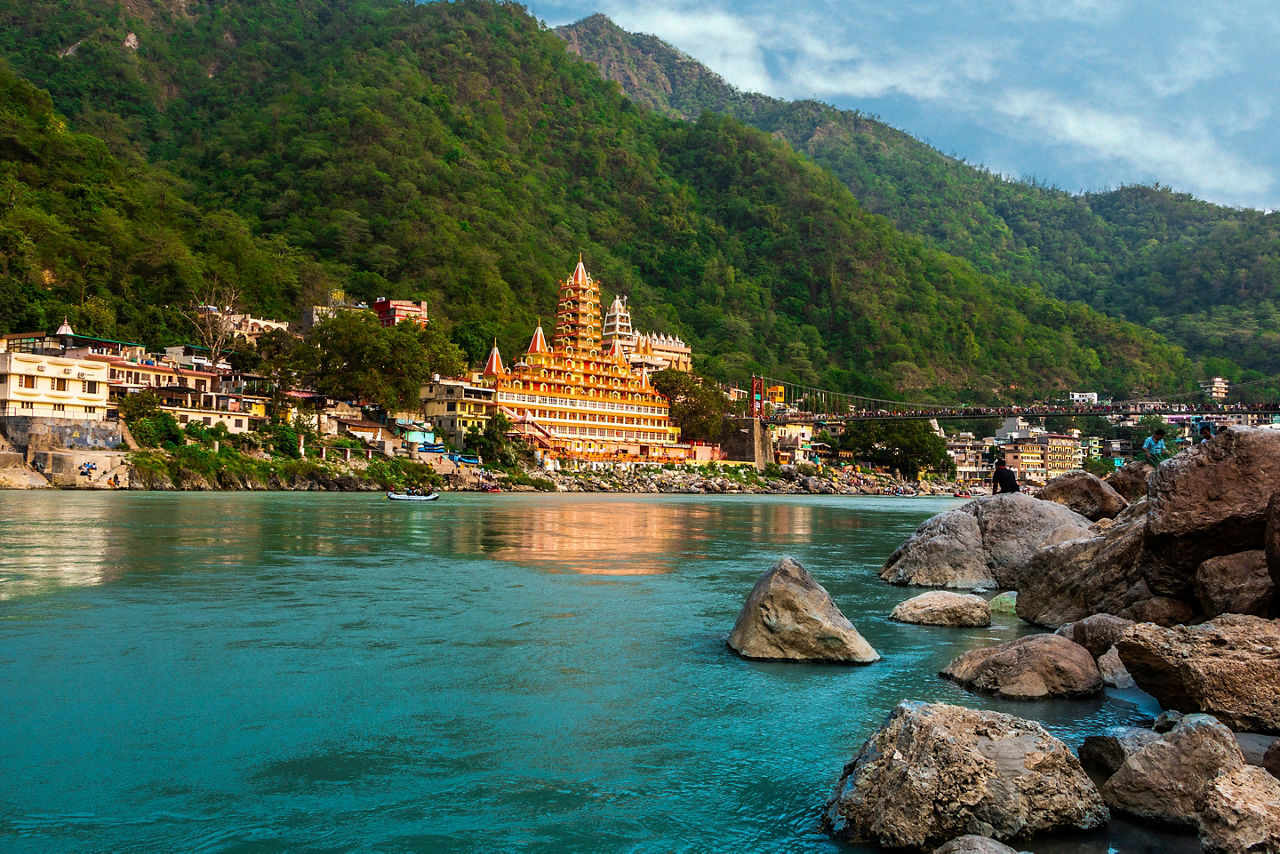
{"points": [[406, 496]]}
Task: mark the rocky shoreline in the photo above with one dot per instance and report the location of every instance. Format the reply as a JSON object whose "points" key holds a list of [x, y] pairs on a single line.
{"points": [[1165, 579]]}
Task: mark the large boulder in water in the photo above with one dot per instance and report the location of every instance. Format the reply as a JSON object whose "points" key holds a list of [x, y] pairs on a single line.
{"points": [[1235, 584], [1228, 667], [944, 608], [1132, 481], [1028, 668], [1208, 501], [790, 617], [1241, 813], [987, 542], [1272, 546], [1087, 494], [1165, 781], [933, 772]]}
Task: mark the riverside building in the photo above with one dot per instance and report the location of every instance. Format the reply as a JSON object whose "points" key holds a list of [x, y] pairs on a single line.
{"points": [[572, 398]]}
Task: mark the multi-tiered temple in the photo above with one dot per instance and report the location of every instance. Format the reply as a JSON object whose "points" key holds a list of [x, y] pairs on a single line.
{"points": [[577, 398]]}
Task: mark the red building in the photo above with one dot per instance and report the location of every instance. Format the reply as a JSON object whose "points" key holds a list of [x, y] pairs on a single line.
{"points": [[393, 311]]}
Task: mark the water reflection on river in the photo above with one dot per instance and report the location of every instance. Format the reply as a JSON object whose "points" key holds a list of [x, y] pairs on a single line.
{"points": [[188, 671]]}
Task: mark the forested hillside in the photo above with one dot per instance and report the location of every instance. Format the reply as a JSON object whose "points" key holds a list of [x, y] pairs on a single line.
{"points": [[456, 152], [1206, 276]]}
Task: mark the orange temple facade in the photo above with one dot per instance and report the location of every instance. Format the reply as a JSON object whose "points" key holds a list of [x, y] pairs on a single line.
{"points": [[576, 400]]}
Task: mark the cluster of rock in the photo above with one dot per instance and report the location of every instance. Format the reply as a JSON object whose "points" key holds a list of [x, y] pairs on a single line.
{"points": [[691, 481], [1160, 579]]}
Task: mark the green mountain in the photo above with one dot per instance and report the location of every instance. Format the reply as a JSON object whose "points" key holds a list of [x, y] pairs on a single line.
{"points": [[1206, 276], [458, 153]]}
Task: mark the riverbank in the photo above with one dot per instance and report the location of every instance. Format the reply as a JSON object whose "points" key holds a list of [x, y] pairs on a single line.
{"points": [[194, 468]]}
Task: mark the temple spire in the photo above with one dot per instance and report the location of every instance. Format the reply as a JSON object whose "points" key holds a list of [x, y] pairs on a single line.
{"points": [[493, 367], [539, 342]]}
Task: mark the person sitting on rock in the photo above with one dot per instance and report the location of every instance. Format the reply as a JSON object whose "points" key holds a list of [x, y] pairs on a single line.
{"points": [[1153, 448], [1206, 433], [1003, 479]]}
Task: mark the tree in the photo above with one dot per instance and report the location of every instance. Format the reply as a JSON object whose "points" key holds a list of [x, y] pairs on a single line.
{"points": [[351, 356], [908, 446], [207, 311], [698, 407]]}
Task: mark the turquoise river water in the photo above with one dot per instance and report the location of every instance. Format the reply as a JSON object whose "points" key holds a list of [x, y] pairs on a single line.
{"points": [[265, 671]]}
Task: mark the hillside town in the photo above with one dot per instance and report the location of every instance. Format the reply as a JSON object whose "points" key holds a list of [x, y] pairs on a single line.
{"points": [[581, 399]]}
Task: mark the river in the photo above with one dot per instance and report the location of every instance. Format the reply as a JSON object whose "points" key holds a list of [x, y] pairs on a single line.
{"points": [[264, 671]]}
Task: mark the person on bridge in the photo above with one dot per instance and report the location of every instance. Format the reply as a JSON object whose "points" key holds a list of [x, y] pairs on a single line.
{"points": [[1153, 448], [1003, 479]]}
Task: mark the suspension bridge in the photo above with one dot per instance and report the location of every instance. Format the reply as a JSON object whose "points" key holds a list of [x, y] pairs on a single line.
{"points": [[783, 401]]}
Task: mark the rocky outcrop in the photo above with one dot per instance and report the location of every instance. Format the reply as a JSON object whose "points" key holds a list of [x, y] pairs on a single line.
{"points": [[1208, 501], [986, 543], [1104, 754], [934, 772], [1229, 667], [974, 845], [1241, 813], [1235, 584], [1131, 482], [1272, 545], [1166, 780], [1029, 668], [1087, 494], [943, 608], [1071, 581], [1096, 633], [790, 617]]}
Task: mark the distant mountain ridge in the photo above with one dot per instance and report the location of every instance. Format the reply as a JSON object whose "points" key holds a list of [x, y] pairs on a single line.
{"points": [[457, 153], [1206, 276]]}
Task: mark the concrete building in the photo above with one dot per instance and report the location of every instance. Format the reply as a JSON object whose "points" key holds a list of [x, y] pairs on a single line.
{"points": [[46, 386], [1027, 459], [393, 311], [1215, 388], [970, 456], [453, 407], [1061, 454]]}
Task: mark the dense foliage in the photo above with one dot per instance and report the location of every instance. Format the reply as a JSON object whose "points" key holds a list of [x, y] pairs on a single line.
{"points": [[1206, 276], [455, 152], [907, 447]]}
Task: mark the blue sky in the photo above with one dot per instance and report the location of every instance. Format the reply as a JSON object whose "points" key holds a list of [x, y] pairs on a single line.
{"points": [[1080, 94]]}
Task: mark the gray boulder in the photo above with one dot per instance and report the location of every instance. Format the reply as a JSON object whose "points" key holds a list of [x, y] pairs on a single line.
{"points": [[943, 608], [1235, 584], [1241, 813], [1114, 673], [986, 543], [1166, 780], [1087, 494], [1096, 633], [974, 845], [1028, 668], [934, 772], [1229, 667], [790, 617], [1104, 754]]}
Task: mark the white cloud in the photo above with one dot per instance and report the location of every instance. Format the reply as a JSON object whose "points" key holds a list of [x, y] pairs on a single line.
{"points": [[1193, 157]]}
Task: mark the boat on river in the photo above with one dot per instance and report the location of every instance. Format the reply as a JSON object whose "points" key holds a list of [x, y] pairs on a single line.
{"points": [[406, 496]]}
